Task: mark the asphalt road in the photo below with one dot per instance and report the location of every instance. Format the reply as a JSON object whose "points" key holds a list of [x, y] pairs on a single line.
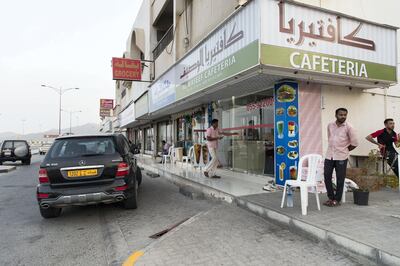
{"points": [[91, 235]]}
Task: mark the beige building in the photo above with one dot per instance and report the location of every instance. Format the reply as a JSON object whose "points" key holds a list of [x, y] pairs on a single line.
{"points": [[272, 71]]}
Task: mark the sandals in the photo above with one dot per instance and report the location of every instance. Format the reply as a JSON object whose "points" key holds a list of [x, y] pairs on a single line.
{"points": [[332, 203]]}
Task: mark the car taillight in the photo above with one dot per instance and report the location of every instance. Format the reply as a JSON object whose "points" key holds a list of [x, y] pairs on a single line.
{"points": [[121, 188], [42, 195], [123, 169], [43, 178]]}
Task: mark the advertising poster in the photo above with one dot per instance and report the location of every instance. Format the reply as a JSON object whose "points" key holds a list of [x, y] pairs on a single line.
{"points": [[286, 131]]}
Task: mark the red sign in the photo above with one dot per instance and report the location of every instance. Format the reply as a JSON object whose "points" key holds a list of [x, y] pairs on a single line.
{"points": [[126, 69], [106, 103], [260, 104]]}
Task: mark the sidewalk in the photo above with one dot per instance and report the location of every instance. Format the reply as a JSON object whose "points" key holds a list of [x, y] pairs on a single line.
{"points": [[371, 231]]}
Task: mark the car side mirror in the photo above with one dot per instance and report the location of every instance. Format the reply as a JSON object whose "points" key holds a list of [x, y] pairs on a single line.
{"points": [[135, 149]]}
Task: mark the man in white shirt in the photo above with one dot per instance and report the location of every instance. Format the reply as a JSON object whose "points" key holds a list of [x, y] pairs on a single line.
{"points": [[213, 134]]}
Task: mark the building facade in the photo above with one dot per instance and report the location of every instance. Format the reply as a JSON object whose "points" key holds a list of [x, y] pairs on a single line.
{"points": [[271, 71]]}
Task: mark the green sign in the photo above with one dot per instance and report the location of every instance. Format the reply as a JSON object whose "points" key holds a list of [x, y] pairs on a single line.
{"points": [[324, 63], [241, 60]]}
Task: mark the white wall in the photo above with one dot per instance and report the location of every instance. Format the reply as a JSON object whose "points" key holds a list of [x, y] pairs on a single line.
{"points": [[366, 112]]}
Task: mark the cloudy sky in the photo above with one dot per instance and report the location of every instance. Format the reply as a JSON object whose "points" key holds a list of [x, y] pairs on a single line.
{"points": [[63, 43]]}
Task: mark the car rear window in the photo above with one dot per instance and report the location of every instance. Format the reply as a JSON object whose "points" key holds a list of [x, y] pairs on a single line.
{"points": [[8, 145], [19, 144], [81, 147]]}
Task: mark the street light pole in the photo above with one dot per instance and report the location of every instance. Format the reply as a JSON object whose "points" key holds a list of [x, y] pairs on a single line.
{"points": [[59, 114], [60, 92]]}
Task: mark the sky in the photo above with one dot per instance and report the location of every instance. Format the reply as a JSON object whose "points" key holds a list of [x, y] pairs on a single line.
{"points": [[63, 43]]}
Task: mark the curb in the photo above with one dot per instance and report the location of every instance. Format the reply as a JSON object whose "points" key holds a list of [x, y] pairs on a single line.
{"points": [[193, 189], [6, 169], [188, 187]]}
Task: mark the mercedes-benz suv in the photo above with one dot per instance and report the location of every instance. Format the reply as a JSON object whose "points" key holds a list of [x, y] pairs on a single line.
{"points": [[84, 170]]}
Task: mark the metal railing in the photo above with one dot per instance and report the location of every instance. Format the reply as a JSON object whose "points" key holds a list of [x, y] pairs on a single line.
{"points": [[163, 43]]}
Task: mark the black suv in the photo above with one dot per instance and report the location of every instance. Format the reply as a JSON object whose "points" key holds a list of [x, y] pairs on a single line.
{"points": [[15, 150], [84, 170]]}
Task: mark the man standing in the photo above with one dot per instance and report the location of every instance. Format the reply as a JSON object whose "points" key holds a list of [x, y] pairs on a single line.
{"points": [[341, 140], [213, 134], [386, 138]]}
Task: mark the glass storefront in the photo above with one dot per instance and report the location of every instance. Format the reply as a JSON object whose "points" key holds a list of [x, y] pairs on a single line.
{"points": [[149, 140], [138, 139], [190, 130], [252, 117], [164, 133]]}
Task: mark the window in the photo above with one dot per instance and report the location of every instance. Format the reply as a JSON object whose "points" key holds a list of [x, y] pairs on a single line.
{"points": [[149, 140], [252, 117], [8, 145], [19, 144], [164, 133], [81, 147]]}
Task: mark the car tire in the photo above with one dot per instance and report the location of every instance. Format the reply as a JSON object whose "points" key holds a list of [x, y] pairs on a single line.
{"points": [[50, 212], [131, 202], [1, 163], [26, 162]]}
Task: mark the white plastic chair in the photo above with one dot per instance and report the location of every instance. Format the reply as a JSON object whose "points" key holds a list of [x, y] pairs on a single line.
{"points": [[313, 161], [169, 156], [185, 159]]}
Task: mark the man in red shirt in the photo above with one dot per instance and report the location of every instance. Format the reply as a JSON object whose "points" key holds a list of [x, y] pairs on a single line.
{"points": [[386, 138], [341, 140]]}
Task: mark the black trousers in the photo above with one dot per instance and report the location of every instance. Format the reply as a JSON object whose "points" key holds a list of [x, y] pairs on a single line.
{"points": [[340, 168], [391, 160]]}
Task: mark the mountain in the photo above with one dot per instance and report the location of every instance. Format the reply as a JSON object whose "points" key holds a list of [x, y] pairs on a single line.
{"points": [[90, 128]]}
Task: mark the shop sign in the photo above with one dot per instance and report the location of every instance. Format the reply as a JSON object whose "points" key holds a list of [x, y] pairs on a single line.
{"points": [[126, 69], [162, 92], [105, 112], [142, 106], [127, 116], [286, 131], [309, 39], [229, 50], [106, 103]]}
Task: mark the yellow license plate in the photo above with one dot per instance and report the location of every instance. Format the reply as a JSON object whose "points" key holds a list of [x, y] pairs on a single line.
{"points": [[79, 173]]}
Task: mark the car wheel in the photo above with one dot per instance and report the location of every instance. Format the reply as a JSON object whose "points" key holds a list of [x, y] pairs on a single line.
{"points": [[131, 202], [1, 163], [26, 162], [50, 212]]}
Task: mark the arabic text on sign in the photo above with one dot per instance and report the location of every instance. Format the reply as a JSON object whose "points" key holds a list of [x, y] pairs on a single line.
{"points": [[208, 56], [328, 33]]}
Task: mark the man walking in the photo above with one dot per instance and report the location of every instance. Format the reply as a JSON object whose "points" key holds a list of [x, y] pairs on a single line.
{"points": [[341, 140], [386, 138], [213, 134]]}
